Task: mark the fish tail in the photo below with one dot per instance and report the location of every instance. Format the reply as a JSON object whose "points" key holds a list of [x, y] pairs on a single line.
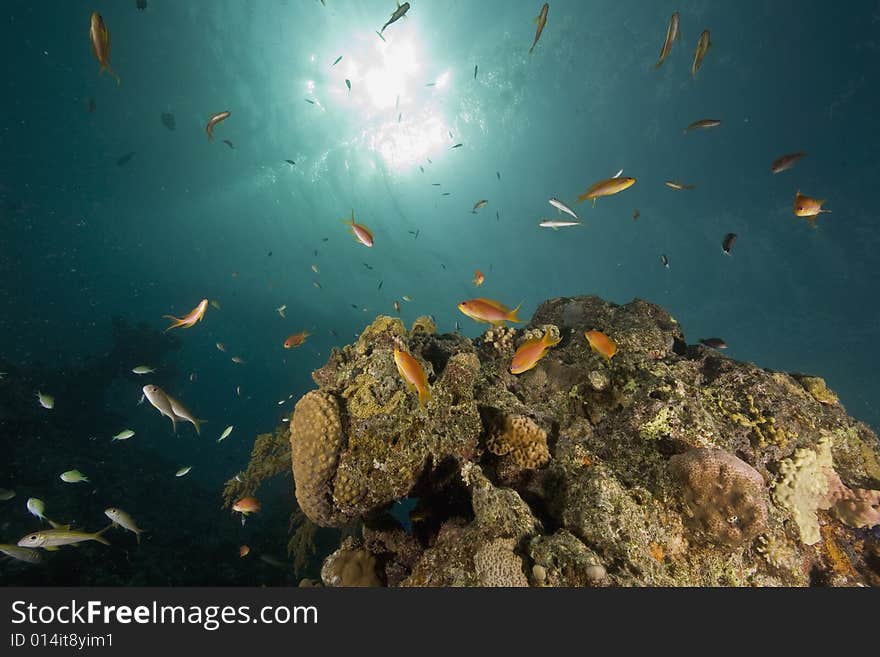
{"points": [[175, 322], [98, 535], [512, 315], [594, 201], [424, 395]]}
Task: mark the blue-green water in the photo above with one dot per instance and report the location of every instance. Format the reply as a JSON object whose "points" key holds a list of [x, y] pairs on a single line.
{"points": [[87, 237]]}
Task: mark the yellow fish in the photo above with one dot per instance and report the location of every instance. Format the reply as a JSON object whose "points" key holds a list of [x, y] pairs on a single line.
{"points": [[808, 208], [672, 34], [487, 310], [607, 187], [601, 344], [99, 34], [530, 352], [703, 46], [413, 373]]}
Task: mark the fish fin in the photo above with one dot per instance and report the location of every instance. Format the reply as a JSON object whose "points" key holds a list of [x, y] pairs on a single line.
{"points": [[57, 525], [98, 535], [175, 322], [512, 317], [51, 548], [424, 396]]}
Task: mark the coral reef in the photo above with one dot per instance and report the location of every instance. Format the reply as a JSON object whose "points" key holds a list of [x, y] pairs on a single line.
{"points": [[670, 465], [270, 457]]}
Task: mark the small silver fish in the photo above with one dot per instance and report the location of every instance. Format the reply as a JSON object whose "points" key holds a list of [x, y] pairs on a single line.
{"points": [[562, 207], [556, 224]]}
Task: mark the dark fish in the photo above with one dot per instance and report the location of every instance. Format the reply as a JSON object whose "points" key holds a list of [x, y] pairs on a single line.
{"points": [[497, 216], [325, 239], [396, 16], [141, 5], [430, 84], [310, 102], [727, 244], [368, 266], [168, 120], [399, 116], [290, 162], [316, 252], [92, 105], [446, 194], [636, 214], [714, 343], [458, 146], [380, 285], [354, 306], [450, 134], [475, 72], [418, 230], [498, 173], [335, 334], [442, 265], [436, 184], [491, 267], [430, 161], [348, 84], [269, 254], [125, 159], [664, 260], [229, 143], [421, 168], [338, 59]]}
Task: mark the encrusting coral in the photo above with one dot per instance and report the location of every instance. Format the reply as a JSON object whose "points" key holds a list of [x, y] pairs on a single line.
{"points": [[671, 466], [725, 496]]}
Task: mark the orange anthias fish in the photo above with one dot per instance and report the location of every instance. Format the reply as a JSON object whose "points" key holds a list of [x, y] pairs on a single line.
{"points": [[246, 505], [530, 352], [214, 120], [541, 22], [703, 46], [607, 187], [361, 232], [414, 374], [296, 339], [100, 37], [478, 278], [672, 34], [195, 316], [601, 344], [487, 310], [808, 208]]}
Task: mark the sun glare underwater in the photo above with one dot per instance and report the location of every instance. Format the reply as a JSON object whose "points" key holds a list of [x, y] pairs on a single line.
{"points": [[391, 218]]}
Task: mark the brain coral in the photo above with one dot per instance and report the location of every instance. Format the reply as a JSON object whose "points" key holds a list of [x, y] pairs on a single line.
{"points": [[724, 495], [315, 440], [496, 564], [524, 440], [350, 566]]}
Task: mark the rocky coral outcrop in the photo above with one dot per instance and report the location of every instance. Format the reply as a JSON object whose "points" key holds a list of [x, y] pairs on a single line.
{"points": [[668, 465]]}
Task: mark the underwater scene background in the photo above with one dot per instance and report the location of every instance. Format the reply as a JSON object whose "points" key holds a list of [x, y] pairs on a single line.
{"points": [[116, 209]]}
